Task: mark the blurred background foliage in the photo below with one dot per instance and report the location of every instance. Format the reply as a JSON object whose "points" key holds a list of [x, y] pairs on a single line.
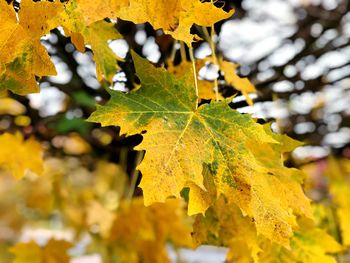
{"points": [[297, 54]]}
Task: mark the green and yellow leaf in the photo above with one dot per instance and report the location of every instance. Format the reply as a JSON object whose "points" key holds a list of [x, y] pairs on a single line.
{"points": [[179, 138], [21, 53]]}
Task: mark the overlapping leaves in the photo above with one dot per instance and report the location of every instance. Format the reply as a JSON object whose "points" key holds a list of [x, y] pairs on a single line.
{"points": [[213, 150], [23, 58], [183, 14], [91, 202]]}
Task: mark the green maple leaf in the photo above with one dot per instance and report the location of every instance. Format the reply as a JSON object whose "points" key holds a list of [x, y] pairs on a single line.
{"points": [[243, 161]]}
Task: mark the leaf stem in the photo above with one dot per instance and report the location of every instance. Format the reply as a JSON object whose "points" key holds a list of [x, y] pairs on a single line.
{"points": [[194, 74], [173, 51], [214, 59], [183, 51]]}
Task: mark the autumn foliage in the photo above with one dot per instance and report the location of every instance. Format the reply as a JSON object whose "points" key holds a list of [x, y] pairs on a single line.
{"points": [[210, 175]]}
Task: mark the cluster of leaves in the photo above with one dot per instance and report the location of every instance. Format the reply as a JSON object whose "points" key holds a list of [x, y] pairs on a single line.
{"points": [[89, 200], [225, 165]]}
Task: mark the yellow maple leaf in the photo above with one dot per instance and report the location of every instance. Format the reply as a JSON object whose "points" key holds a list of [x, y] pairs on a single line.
{"points": [[18, 156], [175, 17], [241, 84], [83, 13], [82, 21], [23, 57], [97, 35], [225, 225], [21, 53], [308, 245]]}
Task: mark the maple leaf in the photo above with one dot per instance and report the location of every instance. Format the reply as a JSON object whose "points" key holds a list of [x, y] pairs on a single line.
{"points": [[241, 84], [309, 244], [225, 225], [21, 53], [97, 35], [180, 138], [17, 155], [83, 13], [23, 57], [55, 251], [82, 22], [175, 17]]}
